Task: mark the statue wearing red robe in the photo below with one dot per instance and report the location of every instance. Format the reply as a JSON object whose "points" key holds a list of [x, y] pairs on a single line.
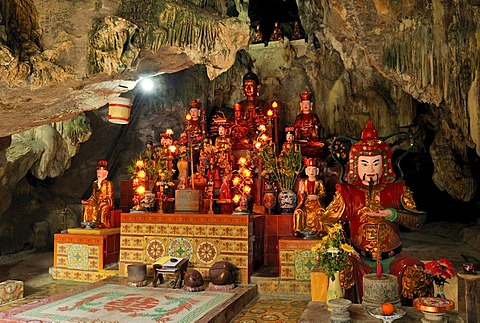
{"points": [[375, 205]]}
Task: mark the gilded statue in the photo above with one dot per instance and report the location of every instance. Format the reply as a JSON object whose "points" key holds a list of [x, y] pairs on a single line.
{"points": [[258, 37], [250, 112], [97, 208], [289, 143], [277, 33], [297, 31], [311, 195]]}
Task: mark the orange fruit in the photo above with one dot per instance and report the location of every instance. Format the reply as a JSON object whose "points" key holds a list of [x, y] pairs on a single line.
{"points": [[388, 308]]}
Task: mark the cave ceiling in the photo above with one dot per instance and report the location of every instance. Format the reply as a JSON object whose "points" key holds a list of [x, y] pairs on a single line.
{"points": [[60, 58]]}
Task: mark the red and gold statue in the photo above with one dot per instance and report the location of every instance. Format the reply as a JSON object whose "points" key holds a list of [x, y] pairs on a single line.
{"points": [[289, 143], [249, 113], [311, 193], [375, 206], [195, 126], [97, 208], [307, 128]]}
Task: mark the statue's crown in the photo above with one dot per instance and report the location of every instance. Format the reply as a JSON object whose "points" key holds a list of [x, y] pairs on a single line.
{"points": [[305, 96], [310, 162], [194, 104], [102, 164]]}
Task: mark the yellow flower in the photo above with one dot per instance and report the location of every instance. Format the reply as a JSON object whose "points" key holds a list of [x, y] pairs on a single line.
{"points": [[347, 248], [316, 247], [337, 227]]}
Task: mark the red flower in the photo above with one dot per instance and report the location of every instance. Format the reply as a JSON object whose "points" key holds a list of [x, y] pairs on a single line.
{"points": [[440, 270]]}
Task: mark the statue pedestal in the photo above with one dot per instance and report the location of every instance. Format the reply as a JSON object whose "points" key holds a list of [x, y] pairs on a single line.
{"points": [[85, 254]]}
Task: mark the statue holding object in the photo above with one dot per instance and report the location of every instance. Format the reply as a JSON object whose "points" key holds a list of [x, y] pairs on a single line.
{"points": [[375, 206]]}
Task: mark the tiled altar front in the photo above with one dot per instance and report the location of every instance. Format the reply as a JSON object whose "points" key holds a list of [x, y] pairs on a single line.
{"points": [[84, 255], [296, 262], [203, 238]]}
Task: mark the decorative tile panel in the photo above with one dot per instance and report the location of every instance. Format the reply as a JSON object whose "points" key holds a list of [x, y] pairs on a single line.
{"points": [[304, 263], [155, 248]]}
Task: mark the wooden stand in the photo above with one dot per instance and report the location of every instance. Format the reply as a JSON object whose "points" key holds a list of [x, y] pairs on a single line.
{"points": [[178, 270], [471, 295]]}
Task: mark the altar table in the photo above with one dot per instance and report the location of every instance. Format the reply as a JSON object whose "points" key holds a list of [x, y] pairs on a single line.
{"points": [[202, 238]]}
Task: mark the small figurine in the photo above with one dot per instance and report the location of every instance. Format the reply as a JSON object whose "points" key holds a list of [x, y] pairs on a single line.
{"points": [[297, 31], [223, 142], [277, 33], [258, 38], [225, 188], [311, 193], [97, 208], [289, 143]]}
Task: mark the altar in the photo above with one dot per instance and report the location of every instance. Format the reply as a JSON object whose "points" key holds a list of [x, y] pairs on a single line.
{"points": [[202, 238]]}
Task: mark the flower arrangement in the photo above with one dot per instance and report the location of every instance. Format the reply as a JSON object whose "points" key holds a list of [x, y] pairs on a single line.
{"points": [[439, 270], [332, 252], [283, 169], [152, 169]]}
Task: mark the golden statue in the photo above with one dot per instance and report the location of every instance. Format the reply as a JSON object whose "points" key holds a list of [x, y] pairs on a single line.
{"points": [[297, 31], [97, 208], [258, 38], [289, 143], [311, 193], [277, 33], [249, 113]]}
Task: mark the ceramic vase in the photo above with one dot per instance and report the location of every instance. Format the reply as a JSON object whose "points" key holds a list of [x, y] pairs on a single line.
{"points": [[287, 201], [269, 201], [148, 202], [334, 289], [440, 290]]}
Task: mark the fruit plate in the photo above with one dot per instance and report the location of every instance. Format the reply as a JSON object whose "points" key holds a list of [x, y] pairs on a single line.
{"points": [[377, 313]]}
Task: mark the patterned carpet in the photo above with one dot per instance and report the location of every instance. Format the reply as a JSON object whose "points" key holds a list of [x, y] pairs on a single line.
{"points": [[119, 303]]}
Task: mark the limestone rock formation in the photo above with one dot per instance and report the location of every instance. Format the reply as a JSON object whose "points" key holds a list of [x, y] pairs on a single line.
{"points": [[55, 68], [408, 65]]}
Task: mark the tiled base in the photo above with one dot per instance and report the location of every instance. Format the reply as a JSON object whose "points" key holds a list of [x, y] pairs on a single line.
{"points": [[10, 290], [81, 275], [296, 263], [268, 285]]}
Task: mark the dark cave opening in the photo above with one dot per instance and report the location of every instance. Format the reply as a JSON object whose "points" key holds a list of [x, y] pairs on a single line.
{"points": [[268, 12]]}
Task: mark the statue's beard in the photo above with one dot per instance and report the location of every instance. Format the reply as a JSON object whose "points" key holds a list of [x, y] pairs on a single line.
{"points": [[375, 182]]}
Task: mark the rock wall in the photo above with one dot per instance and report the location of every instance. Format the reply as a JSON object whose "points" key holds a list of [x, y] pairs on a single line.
{"points": [[408, 65]]}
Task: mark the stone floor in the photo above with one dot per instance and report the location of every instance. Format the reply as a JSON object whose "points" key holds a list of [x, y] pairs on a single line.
{"points": [[434, 242]]}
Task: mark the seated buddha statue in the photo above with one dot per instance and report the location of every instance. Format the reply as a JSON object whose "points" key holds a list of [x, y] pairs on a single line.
{"points": [[250, 112], [307, 128]]}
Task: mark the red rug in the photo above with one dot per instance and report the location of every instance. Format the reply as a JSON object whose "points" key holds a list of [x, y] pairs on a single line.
{"points": [[119, 303]]}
